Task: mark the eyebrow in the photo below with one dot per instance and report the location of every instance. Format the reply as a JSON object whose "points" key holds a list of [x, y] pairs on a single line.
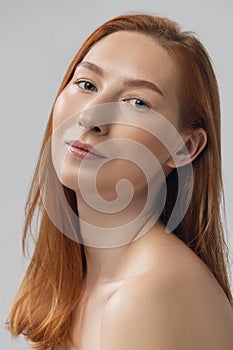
{"points": [[127, 82]]}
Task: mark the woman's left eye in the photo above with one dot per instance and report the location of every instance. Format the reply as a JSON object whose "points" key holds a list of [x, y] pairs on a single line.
{"points": [[85, 85], [137, 102]]}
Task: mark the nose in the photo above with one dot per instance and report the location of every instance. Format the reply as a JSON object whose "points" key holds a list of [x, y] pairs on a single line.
{"points": [[95, 117], [87, 125]]}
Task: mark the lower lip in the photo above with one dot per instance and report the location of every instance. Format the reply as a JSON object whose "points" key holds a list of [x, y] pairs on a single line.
{"points": [[81, 154]]}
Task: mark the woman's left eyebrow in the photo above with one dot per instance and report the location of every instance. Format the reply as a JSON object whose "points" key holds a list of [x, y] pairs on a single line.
{"points": [[142, 83], [127, 82]]}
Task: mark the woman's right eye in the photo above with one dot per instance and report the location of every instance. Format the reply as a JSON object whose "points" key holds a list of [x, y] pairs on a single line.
{"points": [[85, 85]]}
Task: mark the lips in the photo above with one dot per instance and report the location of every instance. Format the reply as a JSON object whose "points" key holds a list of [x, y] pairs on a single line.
{"points": [[85, 147]]}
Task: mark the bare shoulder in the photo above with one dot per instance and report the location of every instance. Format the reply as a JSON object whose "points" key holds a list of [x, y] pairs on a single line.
{"points": [[176, 305]]}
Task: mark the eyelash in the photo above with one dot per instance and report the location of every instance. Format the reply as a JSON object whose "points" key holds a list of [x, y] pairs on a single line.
{"points": [[146, 105], [85, 82]]}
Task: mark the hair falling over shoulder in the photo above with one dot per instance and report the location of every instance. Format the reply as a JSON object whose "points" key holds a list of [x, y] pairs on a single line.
{"points": [[50, 290]]}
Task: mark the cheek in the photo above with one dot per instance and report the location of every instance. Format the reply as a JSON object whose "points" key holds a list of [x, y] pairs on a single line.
{"points": [[65, 106], [157, 148], [59, 111], [149, 141]]}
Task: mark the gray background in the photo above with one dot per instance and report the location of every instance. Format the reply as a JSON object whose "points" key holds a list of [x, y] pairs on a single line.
{"points": [[38, 39]]}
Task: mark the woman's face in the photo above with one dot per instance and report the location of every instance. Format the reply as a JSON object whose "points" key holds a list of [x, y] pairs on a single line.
{"points": [[125, 67]]}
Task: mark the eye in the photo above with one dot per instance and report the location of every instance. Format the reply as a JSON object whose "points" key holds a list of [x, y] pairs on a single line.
{"points": [[85, 85], [138, 103]]}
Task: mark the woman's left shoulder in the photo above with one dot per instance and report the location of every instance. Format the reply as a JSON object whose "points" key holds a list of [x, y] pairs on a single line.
{"points": [[175, 271], [168, 306], [178, 269]]}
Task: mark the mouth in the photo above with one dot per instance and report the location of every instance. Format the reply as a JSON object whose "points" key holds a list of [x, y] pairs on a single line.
{"points": [[84, 147]]}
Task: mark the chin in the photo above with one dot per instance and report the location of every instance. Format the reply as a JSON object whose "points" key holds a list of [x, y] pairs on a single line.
{"points": [[69, 178]]}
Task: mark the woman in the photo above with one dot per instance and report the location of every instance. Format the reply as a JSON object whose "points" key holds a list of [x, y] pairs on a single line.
{"points": [[145, 287]]}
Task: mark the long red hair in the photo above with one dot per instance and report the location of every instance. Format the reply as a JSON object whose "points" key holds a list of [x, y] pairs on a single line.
{"points": [[50, 290]]}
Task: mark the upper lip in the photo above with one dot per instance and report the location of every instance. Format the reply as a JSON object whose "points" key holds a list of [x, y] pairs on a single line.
{"points": [[86, 147]]}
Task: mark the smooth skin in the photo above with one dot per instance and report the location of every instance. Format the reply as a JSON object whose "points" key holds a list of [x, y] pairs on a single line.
{"points": [[154, 293]]}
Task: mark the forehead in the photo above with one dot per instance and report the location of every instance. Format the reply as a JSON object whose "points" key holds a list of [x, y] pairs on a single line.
{"points": [[135, 55]]}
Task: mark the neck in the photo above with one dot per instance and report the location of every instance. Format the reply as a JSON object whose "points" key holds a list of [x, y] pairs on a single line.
{"points": [[113, 264], [112, 240]]}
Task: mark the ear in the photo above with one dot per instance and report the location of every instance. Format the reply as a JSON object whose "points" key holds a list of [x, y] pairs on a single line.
{"points": [[194, 145]]}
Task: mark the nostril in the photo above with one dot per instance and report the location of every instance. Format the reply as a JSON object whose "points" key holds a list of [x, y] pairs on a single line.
{"points": [[80, 125], [96, 128]]}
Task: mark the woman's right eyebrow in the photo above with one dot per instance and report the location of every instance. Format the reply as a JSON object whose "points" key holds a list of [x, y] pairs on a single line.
{"points": [[91, 66]]}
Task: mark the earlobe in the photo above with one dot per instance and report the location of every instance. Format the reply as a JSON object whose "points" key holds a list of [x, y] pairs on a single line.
{"points": [[194, 145]]}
